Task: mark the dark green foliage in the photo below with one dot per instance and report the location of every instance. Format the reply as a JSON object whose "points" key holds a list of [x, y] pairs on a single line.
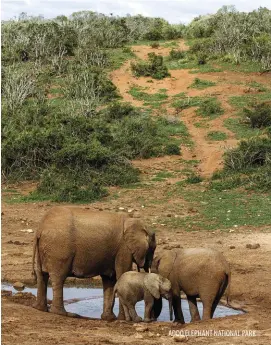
{"points": [[193, 178], [201, 84], [155, 45], [75, 157], [210, 107], [259, 114], [172, 149], [249, 154], [154, 67], [176, 54]]}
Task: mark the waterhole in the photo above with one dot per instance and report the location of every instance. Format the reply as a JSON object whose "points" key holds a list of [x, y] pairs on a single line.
{"points": [[89, 302]]}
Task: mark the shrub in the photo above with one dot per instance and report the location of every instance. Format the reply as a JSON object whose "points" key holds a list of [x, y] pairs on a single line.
{"points": [[75, 157], [155, 45], [154, 67], [259, 114], [210, 107], [193, 178], [249, 154], [172, 149], [176, 54]]}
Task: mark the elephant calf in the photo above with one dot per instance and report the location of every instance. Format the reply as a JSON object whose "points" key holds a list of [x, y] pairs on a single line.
{"points": [[198, 272], [136, 286]]}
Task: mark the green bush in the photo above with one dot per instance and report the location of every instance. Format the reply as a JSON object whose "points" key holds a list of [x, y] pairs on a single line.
{"points": [[176, 54], [251, 153], [155, 45], [210, 107], [194, 178], [259, 114], [154, 67], [74, 157], [172, 149]]}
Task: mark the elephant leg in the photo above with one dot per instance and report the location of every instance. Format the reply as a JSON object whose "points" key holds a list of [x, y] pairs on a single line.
{"points": [[133, 313], [177, 308], [108, 289], [208, 296], [194, 312], [57, 306], [218, 296], [149, 300], [42, 282], [157, 308], [126, 310]]}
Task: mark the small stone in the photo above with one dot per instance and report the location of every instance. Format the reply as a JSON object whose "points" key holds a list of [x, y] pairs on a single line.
{"points": [[142, 329], [180, 338], [232, 247], [138, 336], [169, 215], [219, 242], [150, 334], [18, 286], [27, 230], [253, 246], [130, 210], [231, 230], [121, 208]]}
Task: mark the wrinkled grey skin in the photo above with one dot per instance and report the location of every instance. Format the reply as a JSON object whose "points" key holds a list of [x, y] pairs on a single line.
{"points": [[77, 242], [137, 286], [198, 272]]}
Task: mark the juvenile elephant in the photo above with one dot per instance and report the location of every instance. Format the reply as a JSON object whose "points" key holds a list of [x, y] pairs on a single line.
{"points": [[76, 242], [198, 272], [136, 286]]}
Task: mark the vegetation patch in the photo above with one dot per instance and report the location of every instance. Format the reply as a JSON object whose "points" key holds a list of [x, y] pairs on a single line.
{"points": [[154, 67], [216, 136], [201, 84], [210, 107], [139, 94]]}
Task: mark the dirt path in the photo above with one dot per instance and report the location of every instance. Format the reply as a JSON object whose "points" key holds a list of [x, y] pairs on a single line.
{"points": [[209, 153]]}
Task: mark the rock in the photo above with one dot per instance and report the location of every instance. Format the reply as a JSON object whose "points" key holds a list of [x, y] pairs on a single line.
{"points": [[138, 336], [253, 246], [232, 247], [219, 242], [121, 208], [142, 329], [27, 230], [150, 334], [180, 338], [18, 286], [169, 215], [130, 210]]}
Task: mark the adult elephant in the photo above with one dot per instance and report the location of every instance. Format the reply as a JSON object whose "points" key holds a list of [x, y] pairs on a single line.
{"points": [[76, 242], [198, 272]]}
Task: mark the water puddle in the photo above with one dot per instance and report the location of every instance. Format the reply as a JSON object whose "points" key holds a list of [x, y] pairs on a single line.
{"points": [[89, 302]]}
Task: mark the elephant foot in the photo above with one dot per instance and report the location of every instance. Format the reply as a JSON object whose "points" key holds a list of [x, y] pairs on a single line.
{"points": [[108, 316], [149, 320], [63, 312], [137, 319], [41, 307], [179, 321], [121, 316]]}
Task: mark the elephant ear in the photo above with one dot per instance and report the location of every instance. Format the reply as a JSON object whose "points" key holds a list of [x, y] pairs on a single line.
{"points": [[136, 239], [164, 262], [152, 283]]}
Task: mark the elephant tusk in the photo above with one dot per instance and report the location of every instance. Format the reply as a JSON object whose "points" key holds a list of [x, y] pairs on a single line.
{"points": [[149, 270]]}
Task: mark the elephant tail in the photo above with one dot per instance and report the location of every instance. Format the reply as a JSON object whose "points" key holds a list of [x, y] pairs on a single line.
{"points": [[35, 252], [228, 290]]}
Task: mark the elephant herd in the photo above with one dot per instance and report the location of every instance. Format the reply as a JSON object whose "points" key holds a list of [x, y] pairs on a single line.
{"points": [[77, 242]]}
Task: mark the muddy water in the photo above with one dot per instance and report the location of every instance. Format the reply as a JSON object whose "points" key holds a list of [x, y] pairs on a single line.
{"points": [[89, 302]]}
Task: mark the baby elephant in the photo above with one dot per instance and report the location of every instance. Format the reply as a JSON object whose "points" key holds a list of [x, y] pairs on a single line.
{"points": [[136, 286], [198, 272]]}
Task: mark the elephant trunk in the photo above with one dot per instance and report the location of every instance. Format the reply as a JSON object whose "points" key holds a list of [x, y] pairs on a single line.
{"points": [[170, 308]]}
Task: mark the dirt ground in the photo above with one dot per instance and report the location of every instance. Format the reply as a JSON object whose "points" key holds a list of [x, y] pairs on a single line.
{"points": [[251, 268]]}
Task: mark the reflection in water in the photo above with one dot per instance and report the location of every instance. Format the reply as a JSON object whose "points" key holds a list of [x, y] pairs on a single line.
{"points": [[89, 302]]}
